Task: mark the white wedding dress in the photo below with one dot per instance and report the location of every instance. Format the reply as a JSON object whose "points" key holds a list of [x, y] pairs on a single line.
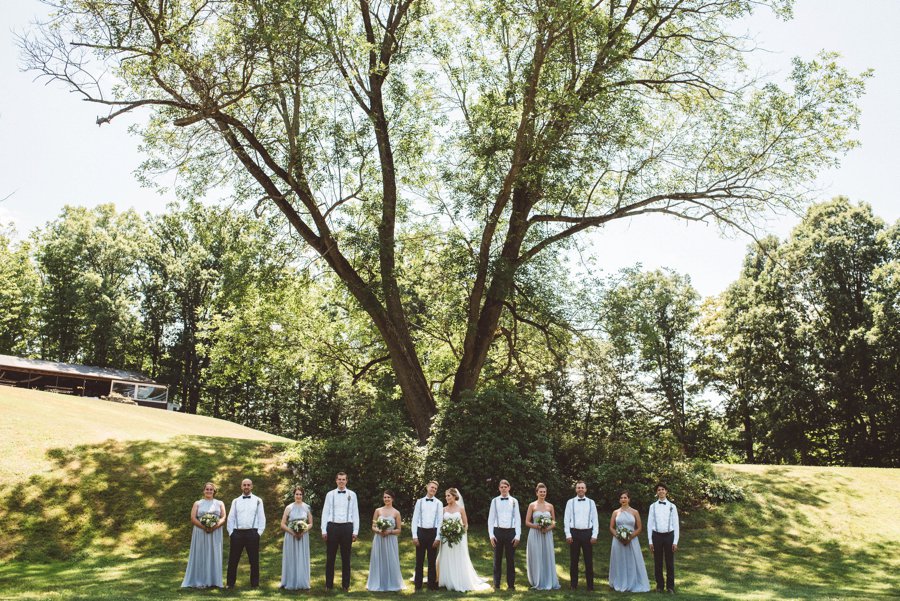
{"points": [[455, 571]]}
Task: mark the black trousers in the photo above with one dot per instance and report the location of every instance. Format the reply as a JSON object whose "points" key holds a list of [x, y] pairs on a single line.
{"points": [[339, 536], [581, 543], [240, 540], [426, 547], [505, 547], [662, 551]]}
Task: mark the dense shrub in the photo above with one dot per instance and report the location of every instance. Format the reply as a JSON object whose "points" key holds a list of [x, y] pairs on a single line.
{"points": [[375, 454], [488, 436], [638, 465]]}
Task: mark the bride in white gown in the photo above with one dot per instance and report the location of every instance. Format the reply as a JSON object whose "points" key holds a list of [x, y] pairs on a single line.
{"points": [[455, 571]]}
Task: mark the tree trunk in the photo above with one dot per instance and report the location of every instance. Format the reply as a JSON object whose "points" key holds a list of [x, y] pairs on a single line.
{"points": [[747, 419]]}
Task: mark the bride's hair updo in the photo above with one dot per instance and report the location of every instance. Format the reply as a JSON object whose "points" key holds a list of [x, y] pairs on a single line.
{"points": [[453, 492]]}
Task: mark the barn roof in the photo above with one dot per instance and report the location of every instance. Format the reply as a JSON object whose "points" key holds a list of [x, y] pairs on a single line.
{"points": [[72, 370]]}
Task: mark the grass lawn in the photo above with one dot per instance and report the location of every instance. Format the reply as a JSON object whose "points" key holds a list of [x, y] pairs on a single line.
{"points": [[97, 497]]}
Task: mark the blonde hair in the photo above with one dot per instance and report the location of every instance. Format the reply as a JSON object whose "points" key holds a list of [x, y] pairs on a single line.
{"points": [[453, 492]]}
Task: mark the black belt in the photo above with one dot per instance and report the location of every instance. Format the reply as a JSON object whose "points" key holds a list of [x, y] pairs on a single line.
{"points": [[502, 528], [245, 530], [582, 530]]}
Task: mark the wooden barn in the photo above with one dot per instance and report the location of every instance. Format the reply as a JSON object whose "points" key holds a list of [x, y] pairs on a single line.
{"points": [[82, 380]]}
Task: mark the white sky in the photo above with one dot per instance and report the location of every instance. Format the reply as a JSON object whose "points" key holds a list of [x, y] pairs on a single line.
{"points": [[52, 153]]}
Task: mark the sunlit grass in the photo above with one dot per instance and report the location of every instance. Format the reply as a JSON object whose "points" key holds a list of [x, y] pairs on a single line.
{"points": [[107, 519], [34, 422]]}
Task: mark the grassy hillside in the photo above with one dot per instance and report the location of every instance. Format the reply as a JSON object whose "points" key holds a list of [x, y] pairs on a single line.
{"points": [[35, 422], [96, 503]]}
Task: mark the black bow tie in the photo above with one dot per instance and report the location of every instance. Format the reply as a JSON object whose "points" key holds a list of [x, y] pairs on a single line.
{"points": [[504, 498], [342, 492], [429, 500], [661, 502], [246, 497], [582, 499]]}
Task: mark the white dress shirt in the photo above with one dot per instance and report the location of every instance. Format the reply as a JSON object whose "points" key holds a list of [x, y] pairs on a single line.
{"points": [[662, 517], [341, 508], [505, 514], [246, 513], [427, 514], [581, 514]]}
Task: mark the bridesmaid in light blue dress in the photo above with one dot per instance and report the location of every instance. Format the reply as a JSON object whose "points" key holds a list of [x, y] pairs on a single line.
{"points": [[295, 551], [627, 571], [540, 557], [384, 565], [204, 568]]}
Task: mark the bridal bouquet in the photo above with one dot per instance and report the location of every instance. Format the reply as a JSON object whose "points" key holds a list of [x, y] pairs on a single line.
{"points": [[384, 524], [622, 533], [298, 526], [452, 531], [209, 520], [544, 521]]}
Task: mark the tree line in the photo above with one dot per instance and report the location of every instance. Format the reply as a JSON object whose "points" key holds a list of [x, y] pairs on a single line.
{"points": [[796, 362], [511, 129]]}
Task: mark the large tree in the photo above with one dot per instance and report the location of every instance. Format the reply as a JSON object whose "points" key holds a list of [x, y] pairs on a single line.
{"points": [[522, 123], [86, 305]]}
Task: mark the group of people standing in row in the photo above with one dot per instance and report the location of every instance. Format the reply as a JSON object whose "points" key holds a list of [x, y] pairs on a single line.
{"points": [[433, 526]]}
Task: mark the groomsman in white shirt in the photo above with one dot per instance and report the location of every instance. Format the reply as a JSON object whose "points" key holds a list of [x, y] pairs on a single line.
{"points": [[426, 535], [581, 527], [246, 522], [662, 529], [505, 529], [340, 527]]}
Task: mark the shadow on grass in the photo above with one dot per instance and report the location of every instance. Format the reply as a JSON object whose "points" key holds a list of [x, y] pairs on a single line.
{"points": [[111, 522], [126, 497], [774, 542]]}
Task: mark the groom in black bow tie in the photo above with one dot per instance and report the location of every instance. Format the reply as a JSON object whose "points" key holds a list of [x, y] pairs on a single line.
{"points": [[504, 528], [426, 535]]}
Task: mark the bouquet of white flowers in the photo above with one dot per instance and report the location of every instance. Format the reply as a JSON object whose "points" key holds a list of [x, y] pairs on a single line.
{"points": [[452, 531], [544, 522], [209, 520], [298, 526], [384, 524], [622, 533]]}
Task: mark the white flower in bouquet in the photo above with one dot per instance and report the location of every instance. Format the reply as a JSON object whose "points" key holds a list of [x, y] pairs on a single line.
{"points": [[452, 531], [623, 533], [298, 526], [209, 520], [544, 521], [384, 524]]}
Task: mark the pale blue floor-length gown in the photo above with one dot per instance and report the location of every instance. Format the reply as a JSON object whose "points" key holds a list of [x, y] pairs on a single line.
{"points": [[627, 571], [295, 554], [204, 568], [540, 557], [384, 564]]}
